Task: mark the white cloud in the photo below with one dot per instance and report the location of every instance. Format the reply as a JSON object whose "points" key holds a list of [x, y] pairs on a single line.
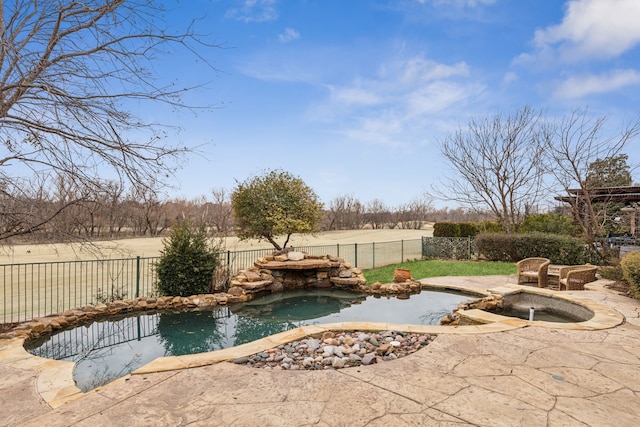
{"points": [[579, 86], [384, 129], [436, 97], [509, 78], [458, 3], [254, 11], [420, 69], [289, 35], [353, 96], [398, 104], [598, 29]]}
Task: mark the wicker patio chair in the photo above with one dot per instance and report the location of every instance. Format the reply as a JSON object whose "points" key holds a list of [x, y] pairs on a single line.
{"points": [[533, 268], [573, 278]]}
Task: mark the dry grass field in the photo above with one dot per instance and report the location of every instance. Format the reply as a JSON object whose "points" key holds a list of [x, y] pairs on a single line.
{"points": [[151, 247]]}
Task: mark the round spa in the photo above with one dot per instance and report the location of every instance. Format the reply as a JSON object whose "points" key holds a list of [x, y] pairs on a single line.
{"points": [[529, 306]]}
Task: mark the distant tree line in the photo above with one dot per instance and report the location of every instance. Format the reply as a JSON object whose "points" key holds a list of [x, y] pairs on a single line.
{"points": [[346, 212], [68, 212]]}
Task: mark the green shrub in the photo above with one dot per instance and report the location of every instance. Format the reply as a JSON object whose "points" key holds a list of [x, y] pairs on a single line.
{"points": [[446, 229], [514, 247], [612, 272], [494, 246], [609, 256], [454, 229], [548, 223], [467, 229], [490, 227], [187, 262], [630, 264]]}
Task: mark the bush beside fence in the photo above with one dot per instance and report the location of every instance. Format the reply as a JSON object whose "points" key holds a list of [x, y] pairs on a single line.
{"points": [[40, 289], [511, 248]]}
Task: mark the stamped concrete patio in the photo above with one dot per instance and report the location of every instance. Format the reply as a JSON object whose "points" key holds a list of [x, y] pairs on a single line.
{"points": [[516, 373]]}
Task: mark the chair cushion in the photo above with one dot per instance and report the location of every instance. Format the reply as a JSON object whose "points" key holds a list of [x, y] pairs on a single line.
{"points": [[529, 273]]}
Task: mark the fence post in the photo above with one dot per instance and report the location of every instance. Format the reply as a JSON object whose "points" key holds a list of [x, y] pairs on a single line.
{"points": [[373, 255], [469, 247], [355, 245], [338, 249], [137, 276], [402, 251]]}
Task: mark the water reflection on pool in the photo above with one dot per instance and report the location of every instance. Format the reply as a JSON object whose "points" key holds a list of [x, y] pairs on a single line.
{"points": [[106, 350]]}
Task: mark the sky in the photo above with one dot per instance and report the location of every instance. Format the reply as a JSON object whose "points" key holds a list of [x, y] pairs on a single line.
{"points": [[353, 97]]}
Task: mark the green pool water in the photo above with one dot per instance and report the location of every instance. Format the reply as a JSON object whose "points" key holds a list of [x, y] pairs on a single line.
{"points": [[106, 350]]}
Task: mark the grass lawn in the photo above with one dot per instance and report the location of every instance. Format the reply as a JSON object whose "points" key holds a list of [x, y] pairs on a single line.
{"points": [[433, 268]]}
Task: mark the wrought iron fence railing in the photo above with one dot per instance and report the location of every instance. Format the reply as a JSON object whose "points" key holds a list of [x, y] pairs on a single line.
{"points": [[40, 289], [458, 248]]}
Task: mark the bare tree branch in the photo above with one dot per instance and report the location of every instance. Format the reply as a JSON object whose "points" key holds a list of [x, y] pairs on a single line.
{"points": [[71, 73], [496, 164], [572, 144]]}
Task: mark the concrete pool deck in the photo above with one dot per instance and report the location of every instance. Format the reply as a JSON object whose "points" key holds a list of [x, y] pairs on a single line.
{"points": [[510, 373]]}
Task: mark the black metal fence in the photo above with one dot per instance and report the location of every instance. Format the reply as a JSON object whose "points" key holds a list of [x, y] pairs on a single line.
{"points": [[39, 289], [458, 248]]}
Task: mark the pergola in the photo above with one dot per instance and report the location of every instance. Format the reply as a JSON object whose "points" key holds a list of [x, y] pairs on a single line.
{"points": [[629, 196], [626, 195]]}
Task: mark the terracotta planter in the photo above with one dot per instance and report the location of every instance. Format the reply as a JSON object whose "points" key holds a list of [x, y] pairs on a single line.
{"points": [[401, 275]]}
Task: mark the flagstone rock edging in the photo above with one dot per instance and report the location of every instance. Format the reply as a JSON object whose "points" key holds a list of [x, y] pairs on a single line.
{"points": [[44, 325]]}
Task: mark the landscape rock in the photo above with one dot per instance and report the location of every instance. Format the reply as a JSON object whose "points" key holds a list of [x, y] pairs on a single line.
{"points": [[295, 256], [301, 355]]}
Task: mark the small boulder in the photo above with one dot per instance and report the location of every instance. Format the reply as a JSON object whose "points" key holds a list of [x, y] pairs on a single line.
{"points": [[295, 256]]}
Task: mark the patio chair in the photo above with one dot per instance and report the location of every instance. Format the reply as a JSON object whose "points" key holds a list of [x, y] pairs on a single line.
{"points": [[573, 278], [533, 270]]}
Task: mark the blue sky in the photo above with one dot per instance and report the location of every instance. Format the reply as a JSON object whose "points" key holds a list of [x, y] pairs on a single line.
{"points": [[353, 96]]}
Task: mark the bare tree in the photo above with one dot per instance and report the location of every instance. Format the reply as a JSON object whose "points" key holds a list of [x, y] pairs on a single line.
{"points": [[149, 214], [219, 212], [75, 219], [573, 147], [345, 213], [417, 212], [377, 214], [69, 73], [113, 197], [26, 205], [496, 164]]}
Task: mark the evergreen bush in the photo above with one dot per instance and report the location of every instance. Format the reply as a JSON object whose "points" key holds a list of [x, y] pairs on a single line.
{"points": [[467, 229], [187, 262], [446, 229], [630, 264], [490, 227], [454, 229], [548, 223]]}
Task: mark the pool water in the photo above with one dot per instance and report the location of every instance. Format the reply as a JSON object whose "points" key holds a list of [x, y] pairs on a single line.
{"points": [[109, 349]]}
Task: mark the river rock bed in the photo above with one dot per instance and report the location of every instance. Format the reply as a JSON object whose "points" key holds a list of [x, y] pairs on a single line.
{"points": [[335, 350]]}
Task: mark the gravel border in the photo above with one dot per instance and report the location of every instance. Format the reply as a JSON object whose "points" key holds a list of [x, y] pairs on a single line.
{"points": [[336, 350]]}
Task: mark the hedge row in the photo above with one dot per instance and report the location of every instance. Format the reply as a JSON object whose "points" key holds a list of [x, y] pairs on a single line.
{"points": [[514, 247], [464, 229]]}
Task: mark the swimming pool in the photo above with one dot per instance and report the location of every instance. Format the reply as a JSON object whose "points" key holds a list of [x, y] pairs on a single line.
{"points": [[108, 349]]}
